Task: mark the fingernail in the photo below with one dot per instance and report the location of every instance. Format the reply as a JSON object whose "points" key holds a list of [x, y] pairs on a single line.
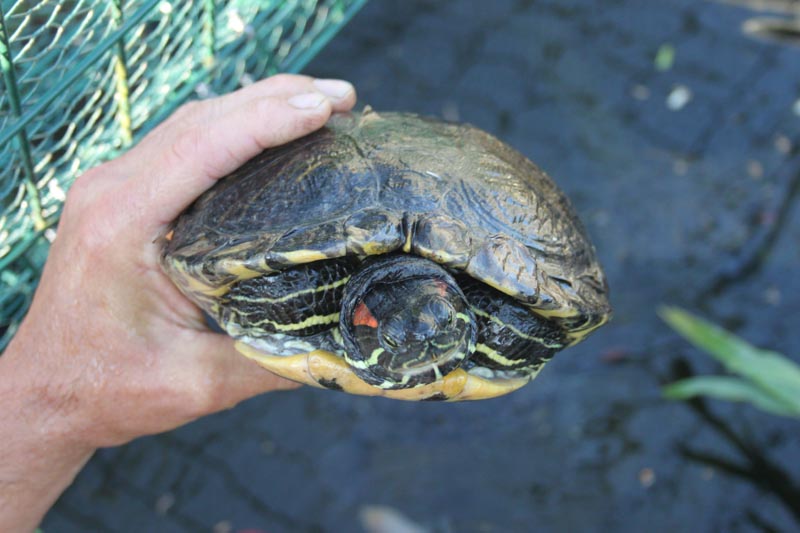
{"points": [[306, 101], [336, 89]]}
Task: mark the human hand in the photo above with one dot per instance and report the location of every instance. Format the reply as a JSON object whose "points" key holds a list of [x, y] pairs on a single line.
{"points": [[110, 350]]}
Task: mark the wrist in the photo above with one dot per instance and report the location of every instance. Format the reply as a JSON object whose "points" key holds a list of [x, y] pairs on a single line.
{"points": [[40, 456]]}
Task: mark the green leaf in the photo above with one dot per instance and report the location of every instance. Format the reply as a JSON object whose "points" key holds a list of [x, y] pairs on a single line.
{"points": [[770, 371], [728, 388]]}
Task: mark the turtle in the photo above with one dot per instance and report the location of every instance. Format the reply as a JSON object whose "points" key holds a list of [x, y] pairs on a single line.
{"points": [[392, 254]]}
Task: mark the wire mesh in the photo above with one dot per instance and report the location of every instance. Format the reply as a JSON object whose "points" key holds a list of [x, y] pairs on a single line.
{"points": [[82, 80]]}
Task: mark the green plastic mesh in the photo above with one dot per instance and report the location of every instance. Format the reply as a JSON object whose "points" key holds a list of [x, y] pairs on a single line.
{"points": [[83, 80]]}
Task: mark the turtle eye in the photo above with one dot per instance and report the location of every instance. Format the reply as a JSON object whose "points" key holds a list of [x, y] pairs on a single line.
{"points": [[393, 332], [390, 341], [441, 311]]}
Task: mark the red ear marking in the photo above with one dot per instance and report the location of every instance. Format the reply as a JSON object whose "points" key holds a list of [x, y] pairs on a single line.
{"points": [[363, 316]]}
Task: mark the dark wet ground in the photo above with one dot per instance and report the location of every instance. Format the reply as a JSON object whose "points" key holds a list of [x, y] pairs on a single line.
{"points": [[687, 204]]}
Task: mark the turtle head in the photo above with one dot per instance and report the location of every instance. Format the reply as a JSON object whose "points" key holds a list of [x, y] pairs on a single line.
{"points": [[405, 322]]}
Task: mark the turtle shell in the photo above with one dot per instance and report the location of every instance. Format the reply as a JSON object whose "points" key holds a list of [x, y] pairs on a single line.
{"points": [[375, 183]]}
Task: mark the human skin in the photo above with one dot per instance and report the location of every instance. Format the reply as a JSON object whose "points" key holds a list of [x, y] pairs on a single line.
{"points": [[110, 350]]}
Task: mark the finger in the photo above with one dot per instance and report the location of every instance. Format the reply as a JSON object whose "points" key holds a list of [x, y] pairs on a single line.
{"points": [[224, 377], [214, 144], [342, 96], [245, 379], [341, 93]]}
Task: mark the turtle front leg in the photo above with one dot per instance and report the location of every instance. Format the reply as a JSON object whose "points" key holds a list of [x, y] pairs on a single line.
{"points": [[511, 337]]}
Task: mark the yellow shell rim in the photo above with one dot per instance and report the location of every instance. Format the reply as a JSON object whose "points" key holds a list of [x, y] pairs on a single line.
{"points": [[320, 365]]}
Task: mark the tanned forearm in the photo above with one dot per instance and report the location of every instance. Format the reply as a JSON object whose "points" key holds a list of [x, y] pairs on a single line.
{"points": [[39, 459]]}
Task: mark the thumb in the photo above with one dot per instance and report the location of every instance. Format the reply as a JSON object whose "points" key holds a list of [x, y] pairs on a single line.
{"points": [[224, 377], [206, 140]]}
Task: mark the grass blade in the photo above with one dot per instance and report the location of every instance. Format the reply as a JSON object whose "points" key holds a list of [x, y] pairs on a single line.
{"points": [[730, 389], [769, 371]]}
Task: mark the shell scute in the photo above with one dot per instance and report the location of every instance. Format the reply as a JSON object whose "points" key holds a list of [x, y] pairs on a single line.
{"points": [[373, 231], [443, 239]]}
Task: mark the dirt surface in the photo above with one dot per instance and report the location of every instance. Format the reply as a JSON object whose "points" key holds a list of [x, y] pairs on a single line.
{"points": [[683, 168]]}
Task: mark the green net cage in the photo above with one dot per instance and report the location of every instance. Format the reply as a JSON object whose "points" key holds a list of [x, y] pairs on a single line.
{"points": [[83, 80]]}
